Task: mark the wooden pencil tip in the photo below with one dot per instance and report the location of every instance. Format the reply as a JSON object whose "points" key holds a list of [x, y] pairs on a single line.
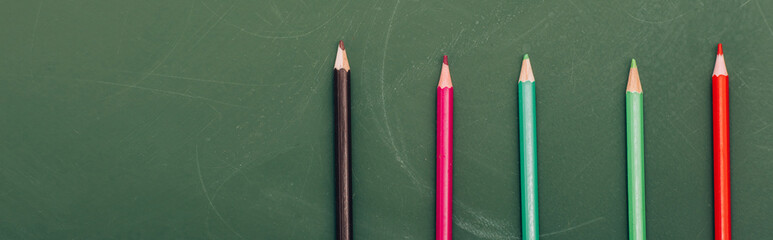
{"points": [[719, 66], [445, 75], [634, 84], [342, 62], [526, 73]]}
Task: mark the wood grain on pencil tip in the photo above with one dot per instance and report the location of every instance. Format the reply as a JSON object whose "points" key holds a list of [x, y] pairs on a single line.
{"points": [[526, 73], [634, 84], [719, 66], [445, 75], [342, 62]]}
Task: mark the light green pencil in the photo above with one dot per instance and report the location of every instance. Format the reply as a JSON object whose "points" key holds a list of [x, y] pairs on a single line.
{"points": [[634, 104]]}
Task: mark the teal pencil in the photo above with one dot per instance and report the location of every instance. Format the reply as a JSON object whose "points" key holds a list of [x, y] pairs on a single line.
{"points": [[528, 131]]}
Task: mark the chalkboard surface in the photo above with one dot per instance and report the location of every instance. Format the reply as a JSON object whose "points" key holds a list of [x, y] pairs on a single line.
{"points": [[213, 119]]}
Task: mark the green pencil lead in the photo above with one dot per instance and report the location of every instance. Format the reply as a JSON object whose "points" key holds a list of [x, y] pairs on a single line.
{"points": [[633, 63], [525, 56]]}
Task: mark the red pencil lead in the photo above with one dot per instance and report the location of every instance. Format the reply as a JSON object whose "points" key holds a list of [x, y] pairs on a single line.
{"points": [[341, 44], [445, 59], [719, 49]]}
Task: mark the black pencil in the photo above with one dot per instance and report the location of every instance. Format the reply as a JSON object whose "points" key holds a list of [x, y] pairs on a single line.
{"points": [[343, 145]]}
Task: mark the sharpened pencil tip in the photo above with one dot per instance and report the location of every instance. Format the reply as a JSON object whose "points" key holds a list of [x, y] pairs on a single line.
{"points": [[526, 74], [634, 84], [445, 74], [342, 62], [719, 66]]}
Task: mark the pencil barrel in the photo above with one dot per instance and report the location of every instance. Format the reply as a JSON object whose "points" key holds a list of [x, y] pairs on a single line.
{"points": [[343, 153], [528, 150], [721, 124], [444, 204], [635, 165]]}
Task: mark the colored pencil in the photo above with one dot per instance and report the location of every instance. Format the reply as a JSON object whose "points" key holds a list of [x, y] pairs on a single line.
{"points": [[721, 148], [634, 104], [445, 123], [343, 145], [527, 116]]}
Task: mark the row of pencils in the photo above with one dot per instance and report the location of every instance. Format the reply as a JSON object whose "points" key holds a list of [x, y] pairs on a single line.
{"points": [[527, 126]]}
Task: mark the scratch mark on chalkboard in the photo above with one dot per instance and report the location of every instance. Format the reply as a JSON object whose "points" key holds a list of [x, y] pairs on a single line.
{"points": [[213, 15], [309, 93], [213, 25], [703, 229], [206, 80], [571, 71], [768, 148], [164, 92], [278, 13], [458, 36], [209, 199], [143, 125], [744, 4], [765, 19], [210, 121], [383, 62], [308, 175], [264, 19], [739, 75], [579, 10], [655, 22], [242, 166], [530, 30], [35, 27], [482, 226], [572, 228], [761, 129], [391, 139], [164, 58], [169, 53], [291, 35]]}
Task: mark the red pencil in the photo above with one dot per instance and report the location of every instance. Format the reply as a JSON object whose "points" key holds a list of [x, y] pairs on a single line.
{"points": [[445, 122], [721, 149]]}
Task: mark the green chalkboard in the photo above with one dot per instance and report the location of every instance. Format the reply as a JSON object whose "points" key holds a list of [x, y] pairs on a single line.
{"points": [[212, 119]]}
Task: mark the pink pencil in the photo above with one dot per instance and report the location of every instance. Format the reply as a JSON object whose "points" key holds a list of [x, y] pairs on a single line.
{"points": [[445, 123]]}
